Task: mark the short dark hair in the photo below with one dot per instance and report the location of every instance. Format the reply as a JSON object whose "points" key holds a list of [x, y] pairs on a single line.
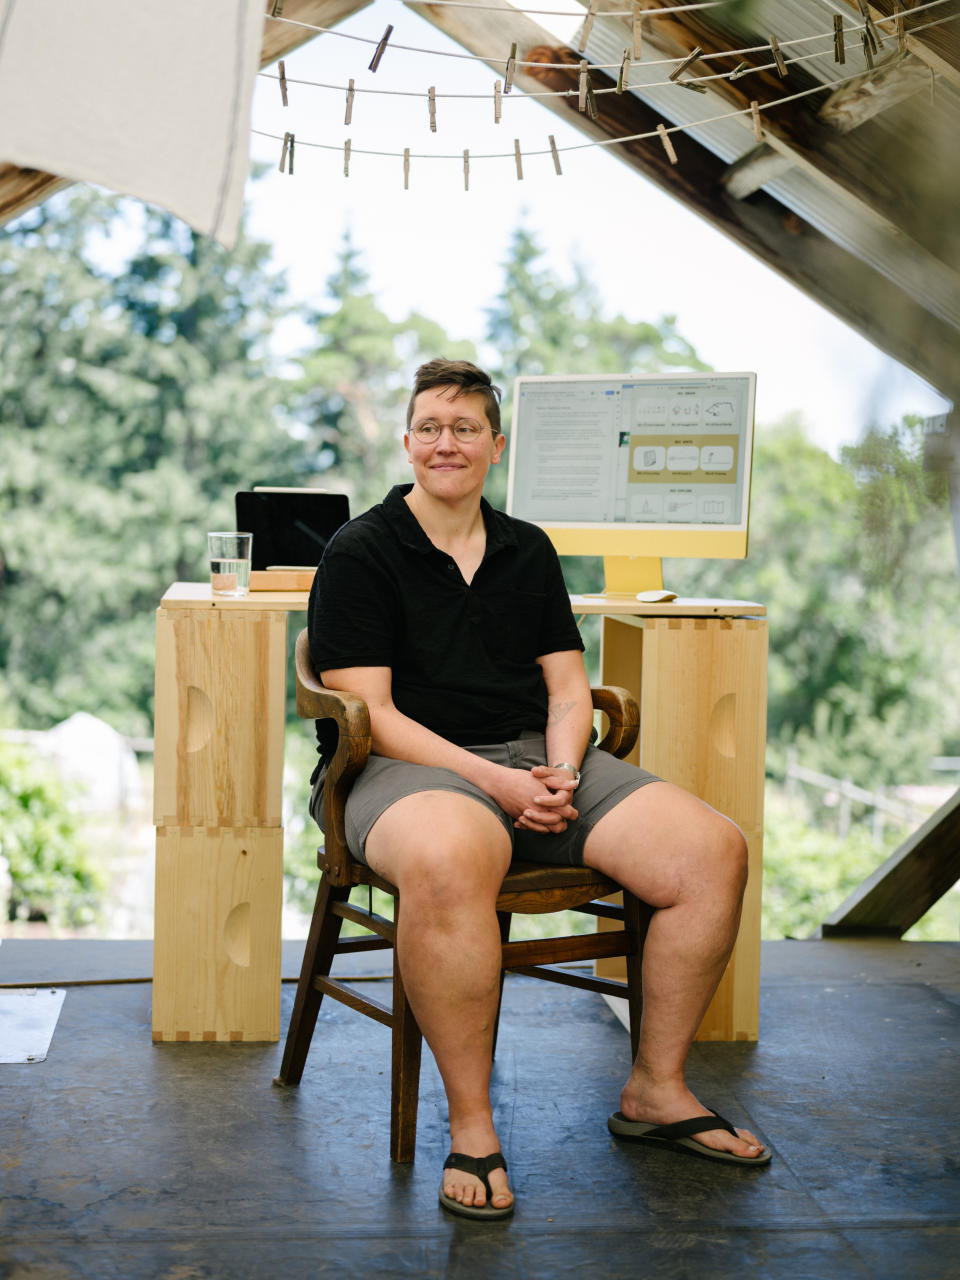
{"points": [[466, 377]]}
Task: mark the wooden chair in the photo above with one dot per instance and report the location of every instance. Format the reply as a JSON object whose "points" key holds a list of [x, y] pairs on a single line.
{"points": [[529, 888]]}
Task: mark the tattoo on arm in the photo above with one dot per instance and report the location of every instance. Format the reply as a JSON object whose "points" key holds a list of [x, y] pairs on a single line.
{"points": [[559, 711]]}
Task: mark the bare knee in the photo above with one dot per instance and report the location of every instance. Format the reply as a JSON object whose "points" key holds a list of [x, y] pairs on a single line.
{"points": [[444, 878], [734, 856]]}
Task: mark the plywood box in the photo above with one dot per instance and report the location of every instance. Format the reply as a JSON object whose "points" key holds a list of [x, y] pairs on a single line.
{"points": [[703, 710], [217, 935], [219, 718]]}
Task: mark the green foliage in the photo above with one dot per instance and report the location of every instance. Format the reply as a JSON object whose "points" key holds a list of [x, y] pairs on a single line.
{"points": [[809, 871], [356, 381], [134, 401], [860, 675], [900, 506], [52, 875]]}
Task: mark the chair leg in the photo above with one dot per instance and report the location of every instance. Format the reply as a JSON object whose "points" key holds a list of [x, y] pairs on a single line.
{"points": [[505, 918], [637, 916], [317, 959], [405, 1085]]}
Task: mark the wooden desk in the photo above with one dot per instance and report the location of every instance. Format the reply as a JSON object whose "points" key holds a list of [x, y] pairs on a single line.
{"points": [[698, 670]]}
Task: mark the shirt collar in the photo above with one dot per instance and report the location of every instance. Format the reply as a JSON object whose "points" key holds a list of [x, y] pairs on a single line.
{"points": [[500, 532]]}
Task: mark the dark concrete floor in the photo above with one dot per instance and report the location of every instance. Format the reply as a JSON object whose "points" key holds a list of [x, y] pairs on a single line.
{"points": [[121, 1158]]}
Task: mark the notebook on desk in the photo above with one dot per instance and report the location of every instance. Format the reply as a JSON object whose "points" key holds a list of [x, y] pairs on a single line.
{"points": [[291, 528]]}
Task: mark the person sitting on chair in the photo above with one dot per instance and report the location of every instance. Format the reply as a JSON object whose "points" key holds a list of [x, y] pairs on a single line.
{"points": [[452, 621]]}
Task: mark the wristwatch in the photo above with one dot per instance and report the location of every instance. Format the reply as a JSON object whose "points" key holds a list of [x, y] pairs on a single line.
{"points": [[564, 764]]}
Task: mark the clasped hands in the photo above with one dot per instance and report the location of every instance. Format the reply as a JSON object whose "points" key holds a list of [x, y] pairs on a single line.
{"points": [[538, 799]]}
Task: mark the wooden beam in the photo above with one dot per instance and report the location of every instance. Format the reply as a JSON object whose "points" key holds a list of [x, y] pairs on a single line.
{"points": [[938, 46], [21, 189], [892, 81], [849, 287], [830, 274], [912, 879], [878, 184]]}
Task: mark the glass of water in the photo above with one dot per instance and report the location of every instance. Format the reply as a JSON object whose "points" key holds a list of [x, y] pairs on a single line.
{"points": [[230, 555]]}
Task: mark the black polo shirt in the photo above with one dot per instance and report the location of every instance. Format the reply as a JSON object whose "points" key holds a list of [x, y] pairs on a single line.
{"points": [[463, 656]]}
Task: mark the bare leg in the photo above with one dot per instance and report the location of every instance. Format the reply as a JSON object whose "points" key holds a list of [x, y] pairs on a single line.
{"points": [[448, 855], [689, 862]]}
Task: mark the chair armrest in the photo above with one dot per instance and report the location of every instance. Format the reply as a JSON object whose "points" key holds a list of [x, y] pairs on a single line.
{"points": [[623, 716], [349, 714]]}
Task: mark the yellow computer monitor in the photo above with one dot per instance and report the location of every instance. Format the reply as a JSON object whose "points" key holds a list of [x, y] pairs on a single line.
{"points": [[635, 467]]}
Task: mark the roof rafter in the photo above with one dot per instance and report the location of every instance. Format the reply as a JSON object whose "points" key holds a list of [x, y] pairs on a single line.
{"points": [[833, 276]]}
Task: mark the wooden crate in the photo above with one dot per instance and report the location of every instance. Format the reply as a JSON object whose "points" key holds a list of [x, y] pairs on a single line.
{"points": [[701, 683], [219, 718], [703, 708], [216, 961]]}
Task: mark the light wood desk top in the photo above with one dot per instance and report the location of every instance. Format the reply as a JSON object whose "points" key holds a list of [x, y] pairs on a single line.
{"points": [[682, 607], [197, 595]]}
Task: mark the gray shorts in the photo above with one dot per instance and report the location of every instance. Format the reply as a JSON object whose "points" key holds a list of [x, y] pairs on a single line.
{"points": [[604, 782]]}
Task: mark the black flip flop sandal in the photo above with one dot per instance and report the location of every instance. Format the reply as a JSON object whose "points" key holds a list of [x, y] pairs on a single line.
{"points": [[680, 1137], [480, 1167]]}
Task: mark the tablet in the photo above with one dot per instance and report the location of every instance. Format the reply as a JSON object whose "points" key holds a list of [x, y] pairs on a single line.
{"points": [[290, 527]]}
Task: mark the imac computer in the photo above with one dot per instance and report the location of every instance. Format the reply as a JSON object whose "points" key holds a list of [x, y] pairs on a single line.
{"points": [[634, 468]]}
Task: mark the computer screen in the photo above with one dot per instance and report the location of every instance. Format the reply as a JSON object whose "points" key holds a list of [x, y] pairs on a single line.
{"points": [[634, 467]]}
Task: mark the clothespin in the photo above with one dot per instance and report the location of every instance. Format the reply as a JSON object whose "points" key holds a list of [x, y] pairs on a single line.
{"points": [[348, 114], [516, 152], [667, 144], [867, 51], [432, 97], [592, 108], [378, 52], [637, 32], [623, 79], [283, 82], [556, 156], [778, 57], [406, 168], [739, 70], [838, 51], [692, 84], [286, 155], [277, 9], [901, 29], [757, 127], [497, 102], [346, 159], [584, 82], [678, 70], [873, 35], [510, 68], [587, 25], [466, 170]]}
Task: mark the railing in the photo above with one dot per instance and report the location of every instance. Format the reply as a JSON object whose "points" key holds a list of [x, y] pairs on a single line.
{"points": [[848, 794]]}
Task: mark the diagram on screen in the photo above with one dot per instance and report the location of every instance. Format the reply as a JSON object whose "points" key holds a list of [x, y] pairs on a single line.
{"points": [[720, 409]]}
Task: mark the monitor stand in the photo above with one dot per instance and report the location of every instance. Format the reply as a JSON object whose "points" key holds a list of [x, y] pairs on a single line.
{"points": [[629, 575]]}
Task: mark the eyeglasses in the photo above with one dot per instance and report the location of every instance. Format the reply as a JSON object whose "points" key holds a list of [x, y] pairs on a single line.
{"points": [[466, 430]]}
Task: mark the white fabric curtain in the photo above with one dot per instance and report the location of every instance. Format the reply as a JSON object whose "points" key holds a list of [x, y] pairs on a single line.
{"points": [[150, 98]]}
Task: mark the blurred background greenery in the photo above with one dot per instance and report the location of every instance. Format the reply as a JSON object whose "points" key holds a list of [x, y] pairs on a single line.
{"points": [[140, 390]]}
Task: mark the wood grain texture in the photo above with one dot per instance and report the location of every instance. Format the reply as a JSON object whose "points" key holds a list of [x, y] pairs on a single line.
{"points": [[217, 937]]}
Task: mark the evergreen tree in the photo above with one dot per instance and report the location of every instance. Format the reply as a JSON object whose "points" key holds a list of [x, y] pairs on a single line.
{"points": [[135, 398], [356, 383], [540, 324]]}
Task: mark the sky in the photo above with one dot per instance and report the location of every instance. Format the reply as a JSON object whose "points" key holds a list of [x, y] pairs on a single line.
{"points": [[438, 249]]}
